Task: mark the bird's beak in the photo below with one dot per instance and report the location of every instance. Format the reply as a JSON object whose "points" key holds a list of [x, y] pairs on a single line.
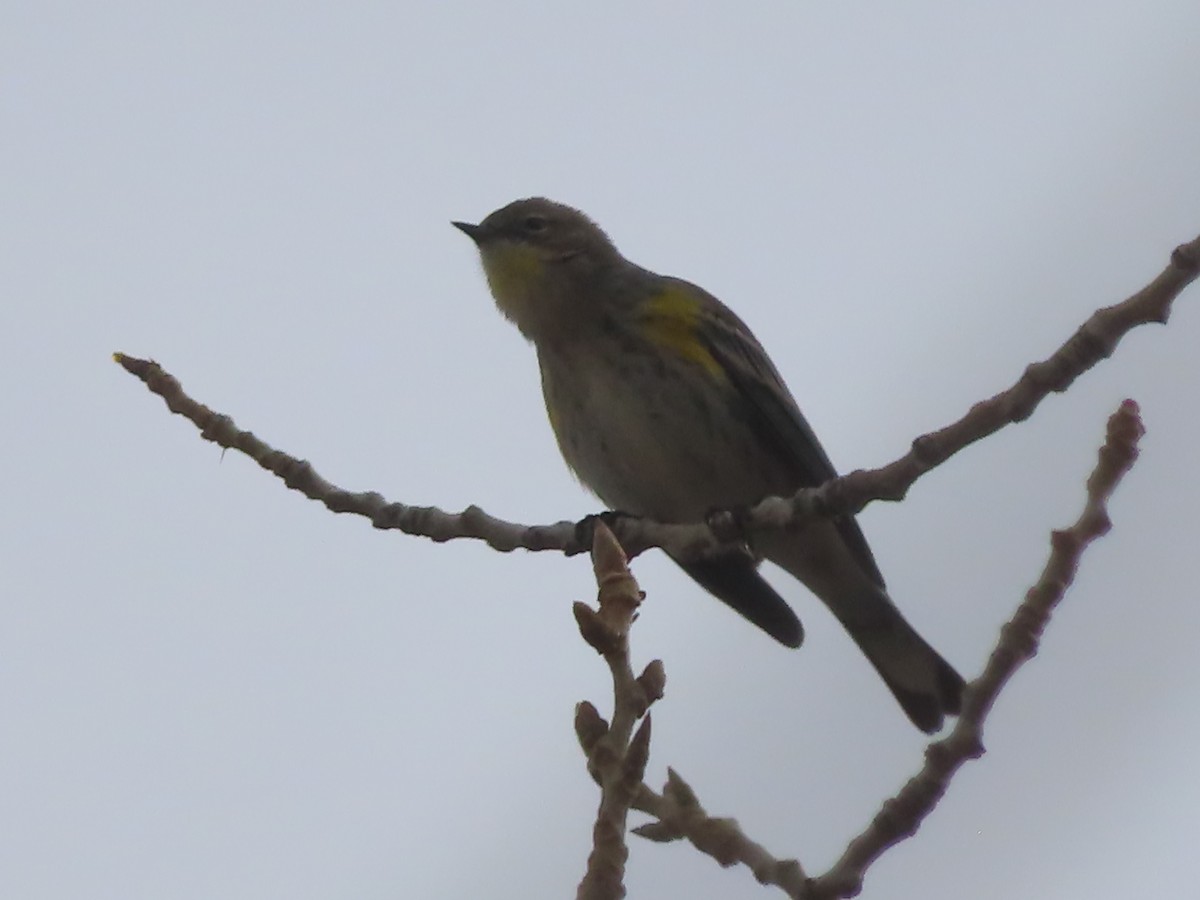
{"points": [[474, 232]]}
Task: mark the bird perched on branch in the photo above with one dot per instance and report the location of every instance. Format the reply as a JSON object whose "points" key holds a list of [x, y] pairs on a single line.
{"points": [[666, 406]]}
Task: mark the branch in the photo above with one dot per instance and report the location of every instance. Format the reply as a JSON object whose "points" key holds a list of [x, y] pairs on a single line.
{"points": [[617, 762], [679, 815], [679, 812], [1094, 341], [617, 756], [1019, 638]]}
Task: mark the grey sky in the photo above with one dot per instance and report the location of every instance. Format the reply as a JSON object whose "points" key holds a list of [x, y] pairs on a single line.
{"points": [[211, 687]]}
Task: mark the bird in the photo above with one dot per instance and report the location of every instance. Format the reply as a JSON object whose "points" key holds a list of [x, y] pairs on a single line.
{"points": [[666, 406]]}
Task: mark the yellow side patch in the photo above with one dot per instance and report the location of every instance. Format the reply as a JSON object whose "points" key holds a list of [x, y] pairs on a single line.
{"points": [[671, 319]]}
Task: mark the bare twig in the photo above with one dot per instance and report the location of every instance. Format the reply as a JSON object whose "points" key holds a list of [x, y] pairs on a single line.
{"points": [[1093, 341], [680, 815], [617, 756], [617, 762], [1019, 638]]}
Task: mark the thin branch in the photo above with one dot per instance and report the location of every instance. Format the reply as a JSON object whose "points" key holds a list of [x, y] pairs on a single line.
{"points": [[617, 756], [1019, 639], [1094, 341], [680, 815]]}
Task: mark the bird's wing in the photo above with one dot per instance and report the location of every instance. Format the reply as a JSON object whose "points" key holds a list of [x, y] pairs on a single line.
{"points": [[733, 578], [774, 416]]}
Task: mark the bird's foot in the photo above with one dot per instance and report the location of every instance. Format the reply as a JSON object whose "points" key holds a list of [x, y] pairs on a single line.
{"points": [[585, 528], [728, 524]]}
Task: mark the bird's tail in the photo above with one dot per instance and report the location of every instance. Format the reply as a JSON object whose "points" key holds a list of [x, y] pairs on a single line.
{"points": [[926, 686]]}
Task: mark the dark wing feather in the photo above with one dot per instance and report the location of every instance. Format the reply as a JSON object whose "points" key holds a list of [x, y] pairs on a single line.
{"points": [[733, 579], [775, 417]]}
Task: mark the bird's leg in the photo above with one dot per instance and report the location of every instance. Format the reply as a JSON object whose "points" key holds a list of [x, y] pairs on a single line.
{"points": [[586, 527]]}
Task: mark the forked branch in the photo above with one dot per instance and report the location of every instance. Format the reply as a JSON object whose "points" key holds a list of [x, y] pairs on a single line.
{"points": [[677, 810]]}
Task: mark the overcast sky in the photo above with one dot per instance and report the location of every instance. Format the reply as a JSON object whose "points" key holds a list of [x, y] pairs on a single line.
{"points": [[213, 688]]}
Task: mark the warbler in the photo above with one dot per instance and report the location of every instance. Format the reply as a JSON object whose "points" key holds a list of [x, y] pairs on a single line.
{"points": [[666, 406]]}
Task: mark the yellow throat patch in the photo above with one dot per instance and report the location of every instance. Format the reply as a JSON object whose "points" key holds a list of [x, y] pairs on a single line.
{"points": [[513, 272]]}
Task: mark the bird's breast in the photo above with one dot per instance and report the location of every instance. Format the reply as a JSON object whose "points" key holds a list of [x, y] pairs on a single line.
{"points": [[652, 435]]}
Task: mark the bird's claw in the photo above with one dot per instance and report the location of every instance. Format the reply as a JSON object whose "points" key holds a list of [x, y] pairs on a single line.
{"points": [[585, 528], [728, 524]]}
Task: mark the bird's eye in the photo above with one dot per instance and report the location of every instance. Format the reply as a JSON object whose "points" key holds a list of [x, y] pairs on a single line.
{"points": [[535, 224]]}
